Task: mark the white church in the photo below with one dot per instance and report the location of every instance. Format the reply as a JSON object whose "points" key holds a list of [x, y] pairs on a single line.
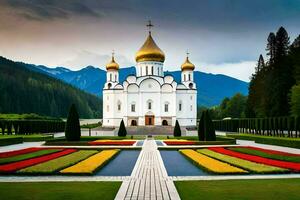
{"points": [[149, 98]]}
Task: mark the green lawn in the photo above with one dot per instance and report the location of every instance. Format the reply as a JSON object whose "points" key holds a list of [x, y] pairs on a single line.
{"points": [[279, 189], [59, 190], [266, 155], [273, 140]]}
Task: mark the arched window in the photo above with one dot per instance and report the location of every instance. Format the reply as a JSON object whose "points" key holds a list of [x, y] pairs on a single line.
{"points": [[166, 107], [191, 108], [110, 77], [132, 107], [119, 106], [109, 85], [180, 106], [152, 70], [116, 77], [189, 77], [147, 70], [149, 104], [107, 108]]}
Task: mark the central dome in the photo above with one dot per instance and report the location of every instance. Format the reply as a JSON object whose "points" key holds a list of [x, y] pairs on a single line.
{"points": [[150, 51]]}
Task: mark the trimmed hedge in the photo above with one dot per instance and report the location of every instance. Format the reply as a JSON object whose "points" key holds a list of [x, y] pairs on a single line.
{"points": [[10, 140], [26, 127], [287, 142], [273, 126]]}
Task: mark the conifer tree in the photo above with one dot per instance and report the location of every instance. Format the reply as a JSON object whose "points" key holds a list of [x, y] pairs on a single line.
{"points": [[72, 130], [177, 130], [122, 129], [282, 43], [271, 47]]}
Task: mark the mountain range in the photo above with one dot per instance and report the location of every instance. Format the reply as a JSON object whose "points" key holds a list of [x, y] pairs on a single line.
{"points": [[212, 88]]}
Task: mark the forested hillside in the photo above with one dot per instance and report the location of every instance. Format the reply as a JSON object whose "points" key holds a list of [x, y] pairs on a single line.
{"points": [[25, 91]]}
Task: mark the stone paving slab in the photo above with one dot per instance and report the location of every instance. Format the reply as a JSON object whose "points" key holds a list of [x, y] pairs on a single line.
{"points": [[149, 179]]}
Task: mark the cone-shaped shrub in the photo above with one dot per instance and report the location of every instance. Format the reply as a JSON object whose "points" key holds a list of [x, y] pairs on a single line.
{"points": [[177, 130], [210, 132], [201, 128], [206, 130], [72, 130], [122, 129]]}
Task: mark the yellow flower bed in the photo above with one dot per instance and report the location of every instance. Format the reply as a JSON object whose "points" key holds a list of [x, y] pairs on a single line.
{"points": [[89, 165], [211, 164]]}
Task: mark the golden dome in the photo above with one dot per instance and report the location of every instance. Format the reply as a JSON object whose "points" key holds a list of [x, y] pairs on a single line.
{"points": [[112, 65], [150, 51], [187, 65]]}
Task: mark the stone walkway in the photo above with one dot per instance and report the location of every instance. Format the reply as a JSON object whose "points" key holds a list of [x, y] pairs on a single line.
{"points": [[20, 146], [149, 179], [268, 146]]}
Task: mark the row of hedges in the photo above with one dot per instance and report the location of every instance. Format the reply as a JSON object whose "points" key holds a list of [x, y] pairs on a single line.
{"points": [[10, 140], [273, 126], [287, 142], [25, 127]]}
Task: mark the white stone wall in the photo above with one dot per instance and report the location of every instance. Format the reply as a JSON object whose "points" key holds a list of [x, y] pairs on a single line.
{"points": [[148, 68], [155, 89]]}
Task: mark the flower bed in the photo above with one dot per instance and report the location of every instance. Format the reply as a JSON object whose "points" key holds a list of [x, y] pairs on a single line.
{"points": [[178, 142], [258, 159], [266, 154], [245, 164], [113, 142], [18, 152], [59, 163], [26, 156], [273, 151], [91, 164], [210, 164], [12, 167]]}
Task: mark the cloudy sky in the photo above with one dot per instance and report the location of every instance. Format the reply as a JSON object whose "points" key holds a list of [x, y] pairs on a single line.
{"points": [[222, 36]]}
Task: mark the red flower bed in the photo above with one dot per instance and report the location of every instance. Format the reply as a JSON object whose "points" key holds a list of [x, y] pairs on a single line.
{"points": [[179, 142], [120, 143], [12, 167], [258, 159], [18, 152], [272, 151]]}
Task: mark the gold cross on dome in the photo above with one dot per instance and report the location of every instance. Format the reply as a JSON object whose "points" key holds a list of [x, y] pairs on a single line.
{"points": [[113, 53], [187, 53], [149, 25]]}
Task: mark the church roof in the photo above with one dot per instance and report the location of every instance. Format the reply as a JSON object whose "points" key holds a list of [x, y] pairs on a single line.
{"points": [[112, 65], [187, 65], [150, 51]]}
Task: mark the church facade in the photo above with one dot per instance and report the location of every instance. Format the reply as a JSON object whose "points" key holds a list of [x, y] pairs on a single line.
{"points": [[149, 97]]}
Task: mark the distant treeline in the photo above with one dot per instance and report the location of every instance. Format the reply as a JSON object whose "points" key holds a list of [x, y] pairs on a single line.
{"points": [[25, 91]]}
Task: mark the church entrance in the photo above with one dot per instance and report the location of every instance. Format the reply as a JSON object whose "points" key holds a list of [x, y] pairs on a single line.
{"points": [[149, 120], [165, 122]]}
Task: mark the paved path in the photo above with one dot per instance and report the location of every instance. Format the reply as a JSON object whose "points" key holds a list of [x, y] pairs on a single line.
{"points": [[268, 146], [149, 179], [20, 146]]}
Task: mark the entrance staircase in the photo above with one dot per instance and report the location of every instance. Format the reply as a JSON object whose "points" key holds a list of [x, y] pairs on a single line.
{"points": [[150, 130]]}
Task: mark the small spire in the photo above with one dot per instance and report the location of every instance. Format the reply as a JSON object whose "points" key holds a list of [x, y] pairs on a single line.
{"points": [[149, 25], [113, 55]]}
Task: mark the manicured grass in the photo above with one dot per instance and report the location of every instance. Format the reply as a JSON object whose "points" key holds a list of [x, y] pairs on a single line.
{"points": [[59, 190], [16, 139], [245, 164], [27, 156], [279, 189], [59, 163], [266, 155], [273, 140]]}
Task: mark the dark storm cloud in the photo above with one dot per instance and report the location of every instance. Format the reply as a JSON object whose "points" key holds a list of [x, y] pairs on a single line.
{"points": [[51, 9]]}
